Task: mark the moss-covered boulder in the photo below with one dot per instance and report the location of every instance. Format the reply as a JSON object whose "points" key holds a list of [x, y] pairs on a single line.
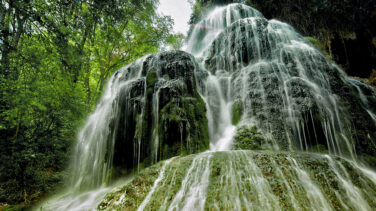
{"points": [[186, 117], [158, 113], [241, 180]]}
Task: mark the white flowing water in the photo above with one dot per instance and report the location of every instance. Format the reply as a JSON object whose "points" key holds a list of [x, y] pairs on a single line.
{"points": [[69, 199], [156, 183], [75, 202], [231, 79], [282, 84], [93, 154], [249, 180], [317, 200], [192, 193], [353, 193]]}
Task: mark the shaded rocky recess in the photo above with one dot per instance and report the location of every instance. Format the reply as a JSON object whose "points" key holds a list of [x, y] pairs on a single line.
{"points": [[159, 114], [246, 180]]}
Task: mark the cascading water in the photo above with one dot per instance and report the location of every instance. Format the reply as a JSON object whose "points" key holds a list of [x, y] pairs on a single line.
{"points": [[277, 78], [249, 180], [249, 72]]}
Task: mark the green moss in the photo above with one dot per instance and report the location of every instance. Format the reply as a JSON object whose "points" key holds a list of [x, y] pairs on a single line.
{"points": [[319, 148], [231, 176], [237, 112], [151, 78], [369, 159], [138, 188], [16, 208], [249, 138], [183, 127], [318, 45]]}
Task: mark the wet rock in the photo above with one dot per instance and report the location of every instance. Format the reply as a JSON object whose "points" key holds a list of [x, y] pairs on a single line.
{"points": [[292, 90], [160, 113], [238, 45], [250, 138], [237, 180]]}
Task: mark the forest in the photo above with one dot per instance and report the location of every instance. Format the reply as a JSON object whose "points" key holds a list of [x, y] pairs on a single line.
{"points": [[58, 56]]}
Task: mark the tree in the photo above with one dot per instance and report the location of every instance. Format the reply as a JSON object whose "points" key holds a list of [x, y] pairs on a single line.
{"points": [[55, 59]]}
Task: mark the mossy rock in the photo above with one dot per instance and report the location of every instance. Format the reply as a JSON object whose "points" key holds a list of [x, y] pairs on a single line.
{"points": [[250, 138], [319, 148], [237, 112], [183, 127], [159, 115], [319, 46], [16, 208], [237, 180]]}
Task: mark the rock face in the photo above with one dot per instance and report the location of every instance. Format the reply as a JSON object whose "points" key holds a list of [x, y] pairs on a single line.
{"points": [[278, 81], [246, 180], [350, 39], [160, 113], [150, 111]]}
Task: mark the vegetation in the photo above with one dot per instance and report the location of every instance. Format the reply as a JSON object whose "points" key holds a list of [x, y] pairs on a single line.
{"points": [[232, 182], [54, 62], [184, 127], [237, 112], [250, 138], [318, 46]]}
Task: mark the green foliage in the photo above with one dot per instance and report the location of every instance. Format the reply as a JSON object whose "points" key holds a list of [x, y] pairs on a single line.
{"points": [[196, 12], [55, 59], [249, 138], [175, 41]]}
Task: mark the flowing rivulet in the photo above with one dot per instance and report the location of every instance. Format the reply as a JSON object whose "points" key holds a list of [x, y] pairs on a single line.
{"points": [[274, 125]]}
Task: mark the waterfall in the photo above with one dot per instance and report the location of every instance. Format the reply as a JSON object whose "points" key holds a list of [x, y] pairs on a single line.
{"points": [[251, 74], [281, 82]]}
